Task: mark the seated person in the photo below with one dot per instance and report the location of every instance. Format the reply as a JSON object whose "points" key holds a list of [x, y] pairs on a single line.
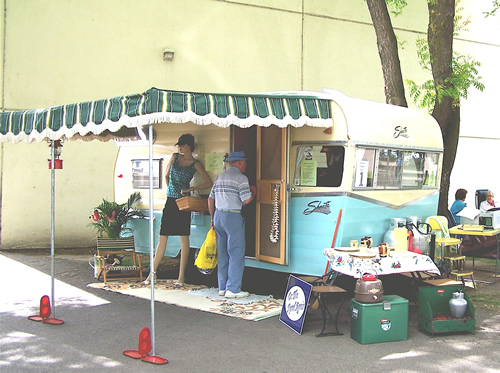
{"points": [[459, 204], [489, 203]]}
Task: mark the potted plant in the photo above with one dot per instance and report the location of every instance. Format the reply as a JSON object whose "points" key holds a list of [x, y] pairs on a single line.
{"points": [[110, 219], [114, 238]]}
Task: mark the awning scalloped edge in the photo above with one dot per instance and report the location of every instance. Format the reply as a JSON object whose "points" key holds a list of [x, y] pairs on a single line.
{"points": [[91, 128]]}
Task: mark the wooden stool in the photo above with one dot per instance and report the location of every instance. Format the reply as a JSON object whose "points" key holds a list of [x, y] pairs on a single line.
{"points": [[460, 274], [311, 279], [322, 292], [442, 282]]}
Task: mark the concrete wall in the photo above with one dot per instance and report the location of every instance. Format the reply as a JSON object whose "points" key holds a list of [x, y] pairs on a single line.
{"points": [[63, 51]]}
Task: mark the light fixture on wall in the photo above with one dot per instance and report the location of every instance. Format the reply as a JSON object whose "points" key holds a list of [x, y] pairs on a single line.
{"points": [[168, 54]]}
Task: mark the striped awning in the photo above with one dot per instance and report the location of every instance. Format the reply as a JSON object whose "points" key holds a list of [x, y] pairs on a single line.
{"points": [[111, 117]]}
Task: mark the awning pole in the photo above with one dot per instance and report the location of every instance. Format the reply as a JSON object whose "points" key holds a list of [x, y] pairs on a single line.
{"points": [[52, 223], [151, 239]]}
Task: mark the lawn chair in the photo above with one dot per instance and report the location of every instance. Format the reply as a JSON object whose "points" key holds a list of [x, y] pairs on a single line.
{"points": [[111, 254]]}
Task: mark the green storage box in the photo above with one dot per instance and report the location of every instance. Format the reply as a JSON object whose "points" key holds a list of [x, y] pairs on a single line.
{"points": [[434, 311], [380, 322]]}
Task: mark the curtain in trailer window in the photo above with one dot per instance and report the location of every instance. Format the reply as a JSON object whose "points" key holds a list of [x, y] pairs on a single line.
{"points": [[413, 170], [365, 168], [390, 169], [431, 166]]}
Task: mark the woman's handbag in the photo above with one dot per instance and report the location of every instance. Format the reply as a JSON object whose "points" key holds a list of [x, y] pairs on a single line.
{"points": [[190, 203], [207, 256]]}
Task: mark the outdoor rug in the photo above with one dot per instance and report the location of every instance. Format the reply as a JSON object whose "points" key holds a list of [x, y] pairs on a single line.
{"points": [[199, 297]]}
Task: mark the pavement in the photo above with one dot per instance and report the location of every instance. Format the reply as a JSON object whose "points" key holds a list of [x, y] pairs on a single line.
{"points": [[100, 325]]}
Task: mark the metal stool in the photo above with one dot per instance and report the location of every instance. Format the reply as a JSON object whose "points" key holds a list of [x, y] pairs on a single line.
{"points": [[460, 274], [457, 262]]}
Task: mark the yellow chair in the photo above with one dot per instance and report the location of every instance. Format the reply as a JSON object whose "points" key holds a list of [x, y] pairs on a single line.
{"points": [[439, 225]]}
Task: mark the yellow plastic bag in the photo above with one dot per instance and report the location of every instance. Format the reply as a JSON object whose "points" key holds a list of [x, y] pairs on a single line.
{"points": [[207, 257]]}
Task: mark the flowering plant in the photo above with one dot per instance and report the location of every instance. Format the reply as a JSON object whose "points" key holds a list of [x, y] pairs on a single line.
{"points": [[109, 219]]}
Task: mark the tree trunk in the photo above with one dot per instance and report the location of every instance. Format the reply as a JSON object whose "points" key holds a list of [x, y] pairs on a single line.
{"points": [[388, 51], [450, 117], [446, 111]]}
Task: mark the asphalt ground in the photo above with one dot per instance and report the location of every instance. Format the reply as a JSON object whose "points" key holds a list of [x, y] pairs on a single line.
{"points": [[99, 325]]}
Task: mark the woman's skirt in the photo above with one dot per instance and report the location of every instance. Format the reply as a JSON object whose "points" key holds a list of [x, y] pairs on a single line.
{"points": [[175, 222]]}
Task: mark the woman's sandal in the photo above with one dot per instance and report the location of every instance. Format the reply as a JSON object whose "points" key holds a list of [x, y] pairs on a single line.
{"points": [[147, 281]]}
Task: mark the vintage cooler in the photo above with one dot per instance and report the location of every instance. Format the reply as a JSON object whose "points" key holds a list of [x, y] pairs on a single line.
{"points": [[380, 322]]}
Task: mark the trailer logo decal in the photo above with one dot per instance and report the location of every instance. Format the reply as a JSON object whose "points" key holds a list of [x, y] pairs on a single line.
{"points": [[400, 131], [317, 206], [385, 324]]}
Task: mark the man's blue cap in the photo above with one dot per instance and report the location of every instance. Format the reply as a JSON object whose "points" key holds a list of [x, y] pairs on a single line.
{"points": [[236, 156]]}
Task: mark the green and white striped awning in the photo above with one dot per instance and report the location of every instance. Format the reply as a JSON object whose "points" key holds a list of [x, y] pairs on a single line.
{"points": [[108, 118]]}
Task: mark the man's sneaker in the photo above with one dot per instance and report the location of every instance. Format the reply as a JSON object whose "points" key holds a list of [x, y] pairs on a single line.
{"points": [[241, 294], [222, 293]]}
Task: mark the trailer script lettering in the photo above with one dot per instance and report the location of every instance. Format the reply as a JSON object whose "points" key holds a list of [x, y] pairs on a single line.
{"points": [[317, 206], [400, 131]]}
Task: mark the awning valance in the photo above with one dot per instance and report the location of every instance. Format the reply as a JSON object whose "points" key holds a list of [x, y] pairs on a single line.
{"points": [[104, 118]]}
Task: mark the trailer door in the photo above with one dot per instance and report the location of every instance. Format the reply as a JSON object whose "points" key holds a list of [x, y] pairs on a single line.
{"points": [[271, 207]]}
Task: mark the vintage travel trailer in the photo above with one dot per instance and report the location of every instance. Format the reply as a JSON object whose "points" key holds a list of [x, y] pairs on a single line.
{"points": [[329, 163]]}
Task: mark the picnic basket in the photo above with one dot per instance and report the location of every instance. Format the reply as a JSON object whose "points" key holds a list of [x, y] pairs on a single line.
{"points": [[192, 203]]}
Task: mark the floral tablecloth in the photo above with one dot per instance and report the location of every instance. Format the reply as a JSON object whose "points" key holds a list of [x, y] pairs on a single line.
{"points": [[343, 262]]}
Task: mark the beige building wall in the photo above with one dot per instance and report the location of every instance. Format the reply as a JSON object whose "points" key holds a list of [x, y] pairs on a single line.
{"points": [[61, 51]]}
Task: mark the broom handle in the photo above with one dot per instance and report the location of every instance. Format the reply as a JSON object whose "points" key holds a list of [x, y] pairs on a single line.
{"points": [[333, 242]]}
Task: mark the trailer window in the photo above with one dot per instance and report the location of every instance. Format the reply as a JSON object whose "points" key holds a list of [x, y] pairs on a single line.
{"points": [[140, 173], [395, 169], [319, 165]]}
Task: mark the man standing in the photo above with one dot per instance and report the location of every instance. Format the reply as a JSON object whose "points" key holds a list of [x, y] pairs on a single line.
{"points": [[229, 193]]}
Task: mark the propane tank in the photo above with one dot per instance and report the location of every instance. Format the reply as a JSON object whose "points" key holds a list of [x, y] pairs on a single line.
{"points": [[418, 232], [389, 235]]}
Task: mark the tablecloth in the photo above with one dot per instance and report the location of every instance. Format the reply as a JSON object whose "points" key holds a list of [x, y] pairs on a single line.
{"points": [[346, 264]]}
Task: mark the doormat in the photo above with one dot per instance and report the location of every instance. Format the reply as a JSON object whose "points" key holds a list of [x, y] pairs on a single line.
{"points": [[199, 297]]}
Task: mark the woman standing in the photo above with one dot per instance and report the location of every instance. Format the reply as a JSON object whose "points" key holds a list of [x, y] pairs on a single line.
{"points": [[179, 173]]}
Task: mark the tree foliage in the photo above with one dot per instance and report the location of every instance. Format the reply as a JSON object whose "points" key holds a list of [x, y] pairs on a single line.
{"points": [[496, 6], [396, 6], [465, 74]]}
